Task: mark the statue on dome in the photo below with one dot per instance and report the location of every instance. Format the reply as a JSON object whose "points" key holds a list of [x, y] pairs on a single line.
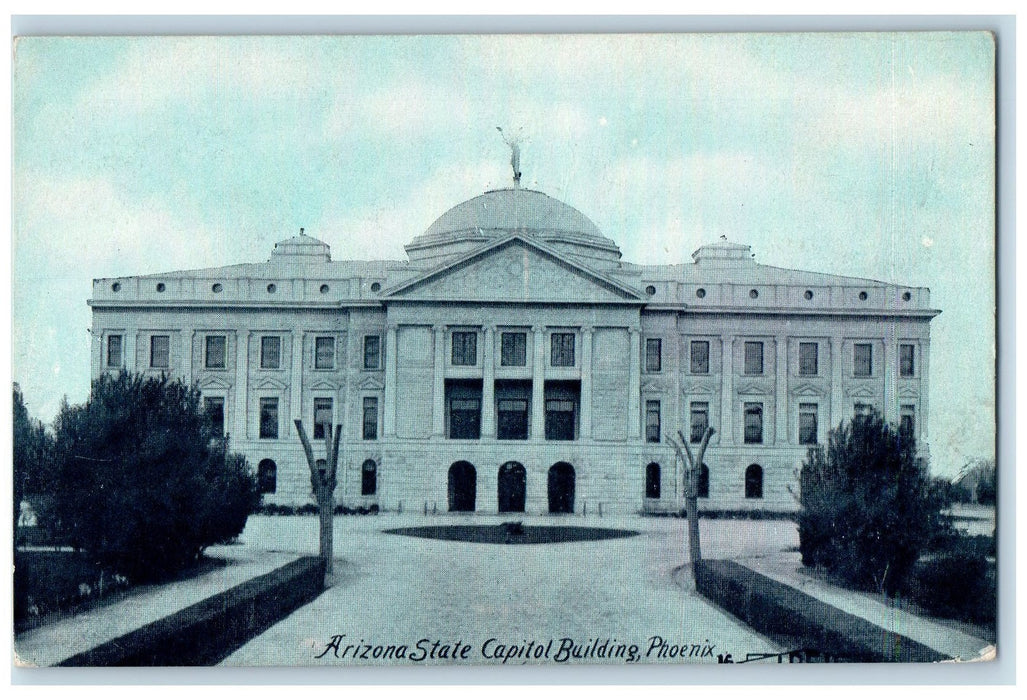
{"points": [[515, 154]]}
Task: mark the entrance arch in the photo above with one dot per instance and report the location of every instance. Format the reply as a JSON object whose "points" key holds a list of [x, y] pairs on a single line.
{"points": [[463, 486], [512, 483], [561, 488]]}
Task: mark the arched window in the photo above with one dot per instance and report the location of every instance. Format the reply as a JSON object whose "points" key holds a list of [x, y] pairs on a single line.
{"points": [[652, 480], [754, 481], [267, 476], [368, 478], [703, 487]]}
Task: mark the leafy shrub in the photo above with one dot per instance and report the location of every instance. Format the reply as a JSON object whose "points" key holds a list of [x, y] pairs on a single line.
{"points": [[867, 509], [959, 585], [140, 480]]}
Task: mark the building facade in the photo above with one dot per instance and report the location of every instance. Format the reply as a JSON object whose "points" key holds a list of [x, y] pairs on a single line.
{"points": [[515, 363]]}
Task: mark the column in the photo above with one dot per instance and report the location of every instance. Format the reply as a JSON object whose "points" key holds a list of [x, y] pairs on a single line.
{"points": [[921, 419], [781, 406], [837, 395], [131, 336], [296, 385], [242, 368], [891, 403], [586, 383], [634, 384], [488, 383], [389, 420], [538, 384], [438, 411], [187, 355], [727, 390]]}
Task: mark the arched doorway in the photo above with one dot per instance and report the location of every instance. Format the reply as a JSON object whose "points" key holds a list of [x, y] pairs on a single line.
{"points": [[754, 481], [561, 488], [463, 486], [512, 482], [652, 480], [267, 476]]}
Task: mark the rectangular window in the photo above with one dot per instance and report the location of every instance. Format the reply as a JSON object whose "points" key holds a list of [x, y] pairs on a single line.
{"points": [[160, 347], [652, 421], [465, 348], [808, 365], [322, 418], [907, 421], [372, 352], [562, 350], [215, 352], [862, 409], [753, 423], [214, 408], [754, 357], [807, 424], [906, 366], [700, 420], [559, 419], [269, 418], [464, 419], [512, 419], [514, 350], [270, 352], [324, 352], [114, 351], [370, 417], [862, 360], [700, 360], [653, 354]]}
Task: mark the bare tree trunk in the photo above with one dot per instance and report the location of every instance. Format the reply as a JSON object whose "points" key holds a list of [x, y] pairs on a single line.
{"points": [[693, 468], [323, 485]]}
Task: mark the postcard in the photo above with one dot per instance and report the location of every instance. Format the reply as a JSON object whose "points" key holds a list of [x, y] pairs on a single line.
{"points": [[504, 350]]}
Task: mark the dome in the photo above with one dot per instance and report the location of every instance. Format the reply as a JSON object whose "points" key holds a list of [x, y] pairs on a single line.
{"points": [[499, 213]]}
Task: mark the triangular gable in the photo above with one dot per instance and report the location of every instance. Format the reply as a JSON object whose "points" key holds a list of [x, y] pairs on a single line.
{"points": [[699, 389], [753, 388], [808, 390], [213, 381], [324, 385], [515, 269], [270, 383], [652, 388], [372, 383], [908, 392], [861, 391]]}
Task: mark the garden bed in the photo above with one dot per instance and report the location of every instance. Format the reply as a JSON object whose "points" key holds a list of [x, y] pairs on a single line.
{"points": [[512, 533]]}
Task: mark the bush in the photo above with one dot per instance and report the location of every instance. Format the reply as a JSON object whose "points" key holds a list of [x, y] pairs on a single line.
{"points": [[867, 507], [959, 585], [140, 480]]}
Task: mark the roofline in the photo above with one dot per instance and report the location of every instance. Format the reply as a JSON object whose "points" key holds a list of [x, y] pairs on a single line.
{"points": [[794, 311], [263, 305]]}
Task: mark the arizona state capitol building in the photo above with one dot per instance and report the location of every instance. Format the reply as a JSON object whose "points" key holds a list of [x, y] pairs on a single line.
{"points": [[514, 363]]}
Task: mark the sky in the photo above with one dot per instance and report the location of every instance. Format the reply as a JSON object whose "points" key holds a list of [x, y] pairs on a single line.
{"points": [[867, 155]]}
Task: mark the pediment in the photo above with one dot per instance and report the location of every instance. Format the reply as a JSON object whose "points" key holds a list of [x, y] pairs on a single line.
{"points": [[861, 391], [652, 388], [372, 383], [807, 389], [515, 269], [270, 383], [908, 392], [752, 388], [699, 389], [324, 385], [213, 381]]}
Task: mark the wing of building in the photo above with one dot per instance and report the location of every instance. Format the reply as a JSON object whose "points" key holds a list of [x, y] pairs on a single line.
{"points": [[514, 362]]}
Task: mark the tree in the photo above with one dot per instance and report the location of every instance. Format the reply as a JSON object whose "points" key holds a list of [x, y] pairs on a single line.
{"points": [[693, 468], [32, 455], [323, 482], [141, 480], [976, 481], [867, 508]]}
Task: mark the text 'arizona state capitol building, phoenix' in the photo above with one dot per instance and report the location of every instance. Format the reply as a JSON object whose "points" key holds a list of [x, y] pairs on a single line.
{"points": [[515, 363]]}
